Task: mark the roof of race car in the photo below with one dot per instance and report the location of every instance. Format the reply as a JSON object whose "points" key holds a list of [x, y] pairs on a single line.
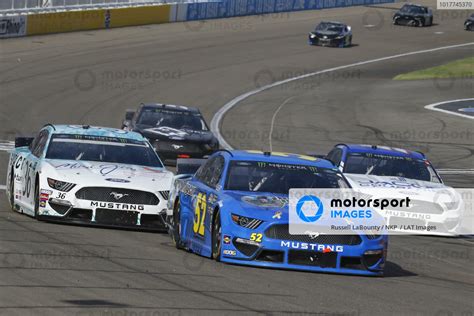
{"points": [[333, 22], [93, 131], [414, 5], [278, 157], [173, 107], [383, 150]]}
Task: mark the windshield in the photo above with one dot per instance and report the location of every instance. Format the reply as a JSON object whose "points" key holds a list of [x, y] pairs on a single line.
{"points": [[173, 119], [412, 9], [329, 27], [103, 149], [279, 178], [384, 165]]}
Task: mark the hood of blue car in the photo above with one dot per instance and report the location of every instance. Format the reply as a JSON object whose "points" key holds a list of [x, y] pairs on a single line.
{"points": [[259, 205]]}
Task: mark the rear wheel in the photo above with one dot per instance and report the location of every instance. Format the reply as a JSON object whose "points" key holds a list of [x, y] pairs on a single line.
{"points": [[420, 23], [177, 225], [217, 237]]}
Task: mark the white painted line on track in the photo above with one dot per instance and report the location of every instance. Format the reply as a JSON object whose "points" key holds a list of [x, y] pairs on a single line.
{"points": [[273, 121], [6, 145], [216, 120], [3, 187], [433, 107], [455, 171]]}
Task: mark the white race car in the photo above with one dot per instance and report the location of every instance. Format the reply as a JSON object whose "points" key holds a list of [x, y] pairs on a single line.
{"points": [[405, 173], [90, 175]]}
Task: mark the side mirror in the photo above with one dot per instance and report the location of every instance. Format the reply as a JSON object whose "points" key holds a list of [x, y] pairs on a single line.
{"points": [[23, 141], [129, 114]]}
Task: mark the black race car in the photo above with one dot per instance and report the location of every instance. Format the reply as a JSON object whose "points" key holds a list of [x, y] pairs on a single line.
{"points": [[413, 15], [175, 131], [334, 34], [469, 24]]}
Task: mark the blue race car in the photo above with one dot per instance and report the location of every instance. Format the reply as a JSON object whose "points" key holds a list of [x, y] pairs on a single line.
{"points": [[371, 166], [382, 161], [235, 209]]}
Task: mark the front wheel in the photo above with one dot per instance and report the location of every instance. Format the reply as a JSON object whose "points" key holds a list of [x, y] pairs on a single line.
{"points": [[177, 226], [217, 237], [349, 41], [12, 191], [36, 199]]}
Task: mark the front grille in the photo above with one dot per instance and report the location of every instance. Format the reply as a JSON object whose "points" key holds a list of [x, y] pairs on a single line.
{"points": [[60, 208], [79, 213], [115, 195], [311, 258], [271, 256], [246, 249], [178, 147], [151, 221], [114, 217], [281, 232]]}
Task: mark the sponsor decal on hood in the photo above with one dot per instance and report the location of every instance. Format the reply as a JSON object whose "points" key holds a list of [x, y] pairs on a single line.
{"points": [[165, 132], [170, 132], [265, 201]]}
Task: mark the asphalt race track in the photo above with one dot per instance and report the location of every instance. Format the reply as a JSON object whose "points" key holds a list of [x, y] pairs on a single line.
{"points": [[93, 77]]}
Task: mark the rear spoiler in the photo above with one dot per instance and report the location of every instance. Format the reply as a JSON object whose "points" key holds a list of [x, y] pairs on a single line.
{"points": [[188, 165]]}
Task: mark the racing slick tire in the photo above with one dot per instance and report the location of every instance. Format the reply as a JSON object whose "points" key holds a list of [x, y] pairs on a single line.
{"points": [[420, 23], [395, 21], [12, 191], [176, 235], [36, 199], [349, 41], [216, 236]]}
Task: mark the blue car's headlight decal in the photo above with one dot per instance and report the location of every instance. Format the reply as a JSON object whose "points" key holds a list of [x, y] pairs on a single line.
{"points": [[247, 222]]}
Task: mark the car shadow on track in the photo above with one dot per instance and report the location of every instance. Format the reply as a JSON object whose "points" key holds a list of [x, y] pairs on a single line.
{"points": [[393, 270]]}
